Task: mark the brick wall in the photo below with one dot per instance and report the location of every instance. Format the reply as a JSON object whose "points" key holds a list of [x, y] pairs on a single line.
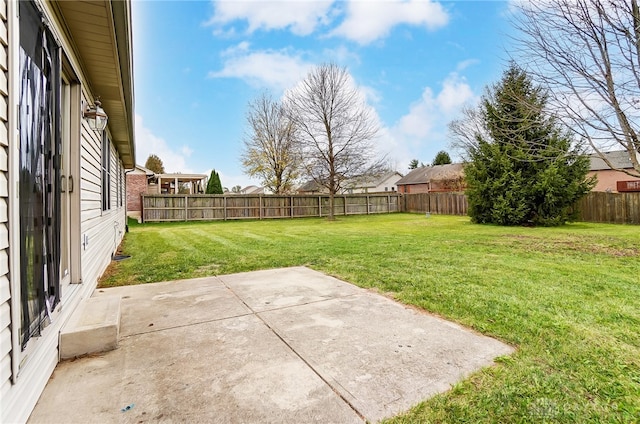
{"points": [[413, 188], [136, 186]]}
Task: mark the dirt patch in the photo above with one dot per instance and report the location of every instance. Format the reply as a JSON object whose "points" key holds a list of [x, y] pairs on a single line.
{"points": [[108, 273], [207, 270], [576, 244]]}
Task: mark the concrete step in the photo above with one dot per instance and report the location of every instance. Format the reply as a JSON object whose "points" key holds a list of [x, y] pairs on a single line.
{"points": [[93, 327]]}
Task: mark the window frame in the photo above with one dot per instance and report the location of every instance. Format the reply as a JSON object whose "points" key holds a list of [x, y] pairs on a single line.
{"points": [[106, 172]]}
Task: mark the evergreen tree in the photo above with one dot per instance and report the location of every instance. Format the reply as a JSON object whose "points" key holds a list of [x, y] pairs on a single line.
{"points": [[154, 163], [524, 168], [214, 186], [413, 164], [442, 158]]}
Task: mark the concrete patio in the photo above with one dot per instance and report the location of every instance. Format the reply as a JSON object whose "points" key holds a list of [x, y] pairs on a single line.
{"points": [[286, 345]]}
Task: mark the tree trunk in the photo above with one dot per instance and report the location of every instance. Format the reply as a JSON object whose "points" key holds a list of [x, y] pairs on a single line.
{"points": [[331, 216]]}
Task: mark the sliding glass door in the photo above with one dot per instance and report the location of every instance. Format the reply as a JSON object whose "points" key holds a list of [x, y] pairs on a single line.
{"points": [[39, 187]]}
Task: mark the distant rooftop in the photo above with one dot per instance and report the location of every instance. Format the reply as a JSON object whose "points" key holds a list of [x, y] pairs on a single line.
{"points": [[424, 174], [619, 159]]}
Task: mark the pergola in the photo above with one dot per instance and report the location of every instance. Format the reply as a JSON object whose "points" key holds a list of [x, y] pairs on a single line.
{"points": [[171, 183]]}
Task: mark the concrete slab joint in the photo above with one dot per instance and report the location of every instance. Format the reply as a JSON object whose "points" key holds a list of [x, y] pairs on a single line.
{"points": [[94, 327]]}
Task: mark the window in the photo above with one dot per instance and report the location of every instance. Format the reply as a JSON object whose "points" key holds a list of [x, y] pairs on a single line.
{"points": [[106, 172], [386, 189], [120, 184]]}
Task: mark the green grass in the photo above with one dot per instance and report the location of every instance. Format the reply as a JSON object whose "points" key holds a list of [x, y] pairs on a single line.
{"points": [[568, 298]]}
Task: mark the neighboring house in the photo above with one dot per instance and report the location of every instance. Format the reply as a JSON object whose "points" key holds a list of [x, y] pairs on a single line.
{"points": [[312, 187], [142, 181], [612, 180], [62, 183], [179, 184], [138, 181], [252, 190], [379, 184], [430, 179]]}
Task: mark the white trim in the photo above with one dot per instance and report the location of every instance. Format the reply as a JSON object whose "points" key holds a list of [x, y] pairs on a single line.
{"points": [[12, 211]]}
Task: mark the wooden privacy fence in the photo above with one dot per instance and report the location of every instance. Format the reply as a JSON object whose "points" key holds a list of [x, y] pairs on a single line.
{"points": [[616, 208], [203, 207], [437, 203]]}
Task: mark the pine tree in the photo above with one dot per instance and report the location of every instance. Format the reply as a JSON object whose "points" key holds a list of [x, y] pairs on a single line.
{"points": [[214, 186], [524, 168], [442, 158]]}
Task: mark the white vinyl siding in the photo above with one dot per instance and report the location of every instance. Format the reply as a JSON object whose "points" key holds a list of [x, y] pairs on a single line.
{"points": [[103, 229], [5, 292]]}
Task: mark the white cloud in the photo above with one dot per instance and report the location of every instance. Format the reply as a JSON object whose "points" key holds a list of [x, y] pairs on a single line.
{"points": [[301, 17], [466, 63], [273, 69], [455, 93], [367, 21], [147, 143], [423, 130]]}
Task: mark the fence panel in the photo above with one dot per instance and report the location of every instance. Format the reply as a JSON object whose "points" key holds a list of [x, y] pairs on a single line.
{"points": [[616, 208], [440, 203], [620, 208], [199, 207]]}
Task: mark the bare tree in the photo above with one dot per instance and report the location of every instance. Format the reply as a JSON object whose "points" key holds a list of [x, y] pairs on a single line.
{"points": [[465, 132], [588, 53], [270, 152], [336, 129]]}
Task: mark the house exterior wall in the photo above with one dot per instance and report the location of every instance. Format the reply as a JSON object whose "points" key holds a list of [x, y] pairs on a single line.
{"points": [[413, 188], [389, 184], [386, 185], [608, 178], [25, 372], [136, 186]]}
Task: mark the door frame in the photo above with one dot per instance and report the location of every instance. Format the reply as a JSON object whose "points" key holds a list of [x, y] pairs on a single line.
{"points": [[69, 77]]}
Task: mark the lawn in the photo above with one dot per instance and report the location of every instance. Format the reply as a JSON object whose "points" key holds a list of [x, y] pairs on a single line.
{"points": [[568, 298]]}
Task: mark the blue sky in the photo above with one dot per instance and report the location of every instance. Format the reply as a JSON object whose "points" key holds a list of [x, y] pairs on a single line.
{"points": [[198, 63]]}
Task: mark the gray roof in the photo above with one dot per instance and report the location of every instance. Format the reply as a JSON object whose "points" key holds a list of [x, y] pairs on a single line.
{"points": [[619, 159], [372, 180], [252, 189], [424, 174], [145, 170], [310, 186]]}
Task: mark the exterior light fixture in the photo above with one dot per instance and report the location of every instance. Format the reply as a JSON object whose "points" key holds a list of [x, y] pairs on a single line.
{"points": [[96, 117]]}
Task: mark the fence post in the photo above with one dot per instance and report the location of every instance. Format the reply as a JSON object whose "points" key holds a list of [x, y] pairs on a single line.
{"points": [[186, 209], [224, 208], [320, 206], [260, 207], [367, 205], [344, 205], [291, 204]]}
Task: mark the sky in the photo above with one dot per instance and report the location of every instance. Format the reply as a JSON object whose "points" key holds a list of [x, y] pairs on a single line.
{"points": [[197, 65]]}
